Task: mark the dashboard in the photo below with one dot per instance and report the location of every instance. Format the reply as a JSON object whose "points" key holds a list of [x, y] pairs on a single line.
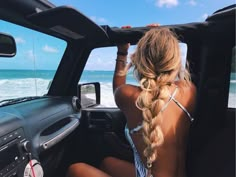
{"points": [[31, 128]]}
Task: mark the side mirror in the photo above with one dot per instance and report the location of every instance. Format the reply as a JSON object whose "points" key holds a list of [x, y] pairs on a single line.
{"points": [[7, 45], [89, 94]]}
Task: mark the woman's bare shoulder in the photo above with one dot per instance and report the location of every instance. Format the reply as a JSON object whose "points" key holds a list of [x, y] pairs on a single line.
{"points": [[126, 93], [186, 88], [127, 90], [187, 95]]}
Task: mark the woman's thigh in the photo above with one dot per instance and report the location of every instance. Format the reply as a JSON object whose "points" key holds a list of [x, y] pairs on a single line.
{"points": [[118, 168], [84, 170]]}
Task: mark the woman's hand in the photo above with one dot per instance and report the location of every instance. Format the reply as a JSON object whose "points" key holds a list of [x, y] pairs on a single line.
{"points": [[123, 48], [153, 25]]}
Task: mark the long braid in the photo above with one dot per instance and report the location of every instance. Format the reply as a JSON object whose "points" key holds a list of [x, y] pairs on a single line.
{"points": [[150, 101], [157, 64]]}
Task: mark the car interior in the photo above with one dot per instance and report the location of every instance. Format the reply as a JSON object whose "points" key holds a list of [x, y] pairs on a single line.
{"points": [[51, 132]]}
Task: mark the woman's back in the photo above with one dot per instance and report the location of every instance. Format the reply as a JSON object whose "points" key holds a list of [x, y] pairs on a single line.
{"points": [[175, 125]]}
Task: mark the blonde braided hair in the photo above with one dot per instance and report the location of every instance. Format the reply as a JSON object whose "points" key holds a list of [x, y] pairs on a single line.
{"points": [[157, 63]]}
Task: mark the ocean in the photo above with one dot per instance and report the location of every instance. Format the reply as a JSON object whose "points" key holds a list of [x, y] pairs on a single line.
{"points": [[19, 83]]}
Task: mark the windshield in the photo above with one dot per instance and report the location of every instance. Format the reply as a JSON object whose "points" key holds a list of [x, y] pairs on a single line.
{"points": [[31, 70]]}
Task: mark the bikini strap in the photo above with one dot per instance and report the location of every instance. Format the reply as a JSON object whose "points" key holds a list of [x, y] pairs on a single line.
{"points": [[171, 98], [136, 129], [184, 109], [139, 127]]}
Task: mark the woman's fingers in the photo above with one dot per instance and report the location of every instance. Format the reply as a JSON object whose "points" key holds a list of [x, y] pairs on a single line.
{"points": [[153, 25], [149, 25], [124, 27]]}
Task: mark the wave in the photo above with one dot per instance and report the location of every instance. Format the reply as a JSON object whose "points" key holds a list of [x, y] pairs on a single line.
{"points": [[232, 100], [233, 81], [13, 88], [3, 81], [107, 98]]}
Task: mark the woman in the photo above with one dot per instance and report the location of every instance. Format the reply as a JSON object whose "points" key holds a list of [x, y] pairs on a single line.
{"points": [[158, 111]]}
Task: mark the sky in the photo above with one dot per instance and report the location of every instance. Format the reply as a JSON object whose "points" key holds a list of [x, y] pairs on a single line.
{"points": [[142, 12], [40, 51]]}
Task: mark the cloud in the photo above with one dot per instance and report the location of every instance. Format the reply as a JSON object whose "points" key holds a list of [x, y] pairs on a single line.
{"points": [[30, 54], [19, 40], [204, 16], [166, 3], [98, 19], [192, 2], [49, 49], [101, 59]]}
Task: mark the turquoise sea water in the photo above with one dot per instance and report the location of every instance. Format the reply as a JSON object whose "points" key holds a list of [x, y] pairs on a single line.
{"points": [[24, 74], [88, 76], [103, 76], [18, 83]]}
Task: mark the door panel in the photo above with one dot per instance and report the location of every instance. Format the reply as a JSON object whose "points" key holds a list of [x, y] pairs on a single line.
{"points": [[111, 123], [100, 134]]}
